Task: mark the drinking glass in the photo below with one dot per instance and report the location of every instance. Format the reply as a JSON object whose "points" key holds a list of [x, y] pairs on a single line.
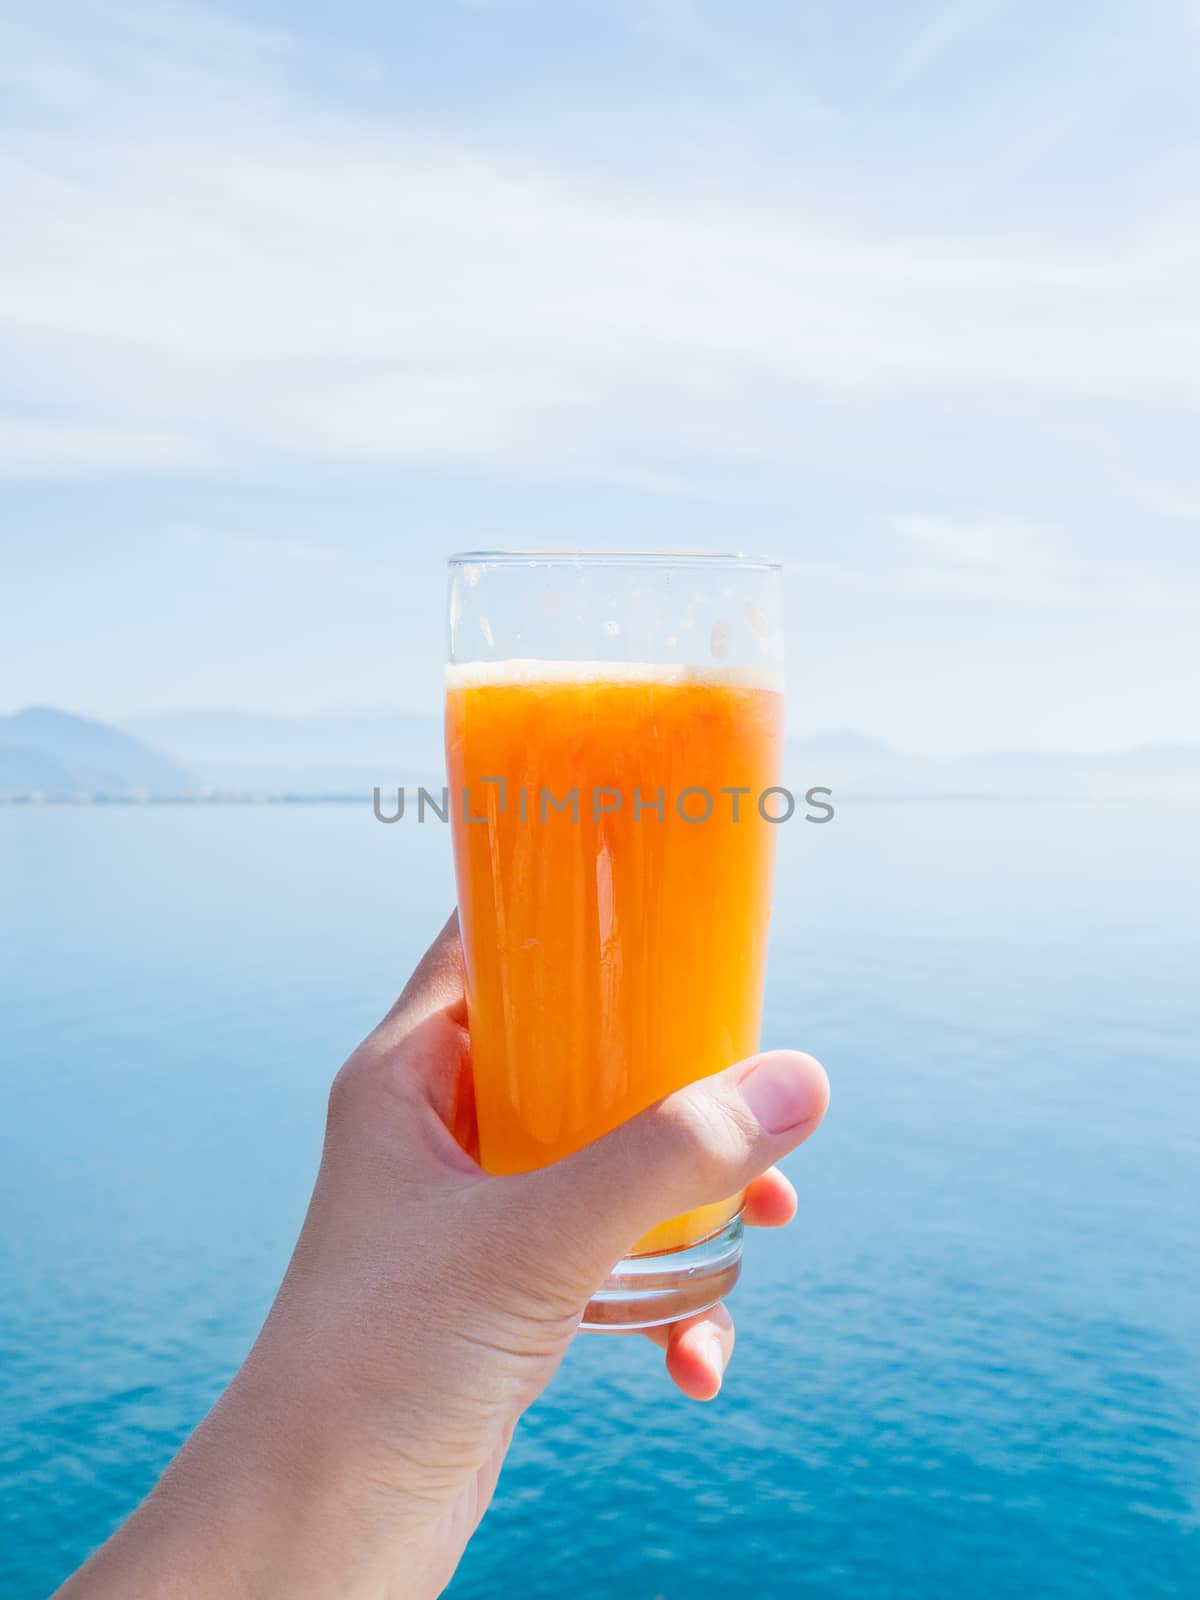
{"points": [[614, 727]]}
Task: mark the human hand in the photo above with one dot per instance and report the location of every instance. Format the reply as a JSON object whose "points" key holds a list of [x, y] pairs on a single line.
{"points": [[426, 1306]]}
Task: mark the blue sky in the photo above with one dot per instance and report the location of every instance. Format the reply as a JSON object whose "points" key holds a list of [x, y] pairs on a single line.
{"points": [[296, 299]]}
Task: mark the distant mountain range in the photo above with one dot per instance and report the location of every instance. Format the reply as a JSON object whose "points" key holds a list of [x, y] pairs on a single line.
{"points": [[855, 764], [343, 754], [196, 755], [43, 751]]}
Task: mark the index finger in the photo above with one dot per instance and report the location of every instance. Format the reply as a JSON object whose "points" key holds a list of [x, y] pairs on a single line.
{"points": [[437, 985]]}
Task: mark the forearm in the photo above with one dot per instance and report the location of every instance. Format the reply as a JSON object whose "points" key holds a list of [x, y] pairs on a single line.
{"points": [[261, 1505]]}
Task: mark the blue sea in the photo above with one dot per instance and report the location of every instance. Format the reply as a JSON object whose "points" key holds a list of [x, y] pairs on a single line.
{"points": [[971, 1368]]}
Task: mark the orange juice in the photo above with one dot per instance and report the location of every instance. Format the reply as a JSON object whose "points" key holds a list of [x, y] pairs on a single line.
{"points": [[615, 943]]}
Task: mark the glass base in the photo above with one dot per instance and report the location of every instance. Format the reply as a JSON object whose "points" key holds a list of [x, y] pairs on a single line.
{"points": [[646, 1291]]}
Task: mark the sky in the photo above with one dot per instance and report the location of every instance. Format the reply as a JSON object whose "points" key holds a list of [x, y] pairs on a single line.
{"points": [[297, 299]]}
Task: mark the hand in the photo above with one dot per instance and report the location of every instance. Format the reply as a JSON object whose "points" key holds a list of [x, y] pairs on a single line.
{"points": [[425, 1307]]}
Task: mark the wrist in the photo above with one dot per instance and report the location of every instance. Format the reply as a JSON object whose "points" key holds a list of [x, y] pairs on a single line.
{"points": [[287, 1470]]}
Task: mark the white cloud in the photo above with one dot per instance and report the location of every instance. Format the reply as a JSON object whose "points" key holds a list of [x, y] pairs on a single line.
{"points": [[246, 556], [1024, 562], [211, 265], [39, 447], [997, 557], [989, 543]]}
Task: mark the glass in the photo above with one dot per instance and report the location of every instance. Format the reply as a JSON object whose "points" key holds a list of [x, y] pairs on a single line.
{"points": [[612, 725]]}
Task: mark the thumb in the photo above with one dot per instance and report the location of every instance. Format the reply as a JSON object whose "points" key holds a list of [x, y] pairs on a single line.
{"points": [[696, 1147]]}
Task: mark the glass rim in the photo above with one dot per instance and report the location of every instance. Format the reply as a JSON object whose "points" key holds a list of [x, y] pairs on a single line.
{"points": [[733, 560]]}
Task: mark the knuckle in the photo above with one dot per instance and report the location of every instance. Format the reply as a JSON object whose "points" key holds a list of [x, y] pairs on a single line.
{"points": [[341, 1093], [348, 1086], [712, 1137]]}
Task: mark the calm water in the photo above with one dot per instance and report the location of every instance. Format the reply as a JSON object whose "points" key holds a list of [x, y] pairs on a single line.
{"points": [[972, 1368]]}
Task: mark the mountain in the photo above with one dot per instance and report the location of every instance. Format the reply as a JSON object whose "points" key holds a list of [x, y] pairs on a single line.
{"points": [[327, 753], [1166, 757], [353, 752], [43, 751], [235, 753], [24, 771], [855, 765]]}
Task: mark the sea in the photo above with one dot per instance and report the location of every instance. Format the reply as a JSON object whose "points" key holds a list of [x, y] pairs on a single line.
{"points": [[970, 1368]]}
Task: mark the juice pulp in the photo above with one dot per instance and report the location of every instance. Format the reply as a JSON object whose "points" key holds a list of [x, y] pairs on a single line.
{"points": [[612, 955]]}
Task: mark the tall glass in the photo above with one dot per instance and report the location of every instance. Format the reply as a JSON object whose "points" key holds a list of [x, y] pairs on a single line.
{"points": [[614, 725]]}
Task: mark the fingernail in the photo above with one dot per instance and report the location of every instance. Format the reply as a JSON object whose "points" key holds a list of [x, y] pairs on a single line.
{"points": [[783, 1091]]}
